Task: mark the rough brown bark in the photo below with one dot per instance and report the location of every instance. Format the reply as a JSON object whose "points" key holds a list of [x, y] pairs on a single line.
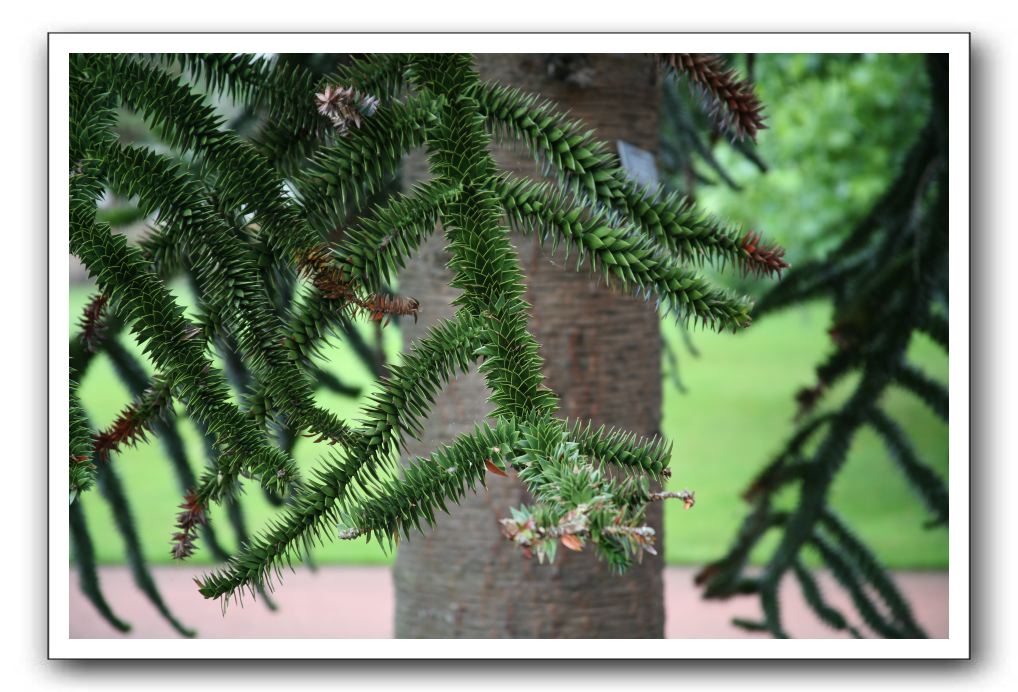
{"points": [[602, 358]]}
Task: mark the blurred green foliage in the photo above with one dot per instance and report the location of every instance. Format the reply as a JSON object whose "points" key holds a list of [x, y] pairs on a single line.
{"points": [[838, 127]]}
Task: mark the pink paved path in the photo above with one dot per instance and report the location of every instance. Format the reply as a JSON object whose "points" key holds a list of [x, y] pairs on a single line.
{"points": [[357, 602]]}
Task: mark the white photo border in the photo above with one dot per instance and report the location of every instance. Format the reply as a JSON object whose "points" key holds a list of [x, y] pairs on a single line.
{"points": [[956, 646]]}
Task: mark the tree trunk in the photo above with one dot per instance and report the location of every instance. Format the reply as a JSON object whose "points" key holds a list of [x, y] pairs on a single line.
{"points": [[602, 358]]}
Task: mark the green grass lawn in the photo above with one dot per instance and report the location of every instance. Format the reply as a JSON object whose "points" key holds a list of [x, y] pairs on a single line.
{"points": [[736, 414]]}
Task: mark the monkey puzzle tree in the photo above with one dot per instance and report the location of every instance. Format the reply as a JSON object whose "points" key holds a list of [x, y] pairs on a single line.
{"points": [[245, 217], [601, 352], [601, 356]]}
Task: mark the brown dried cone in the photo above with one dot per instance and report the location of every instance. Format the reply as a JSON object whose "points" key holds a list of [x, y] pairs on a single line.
{"points": [[317, 266], [345, 106], [188, 521], [762, 259], [731, 101], [381, 305], [93, 322], [133, 423]]}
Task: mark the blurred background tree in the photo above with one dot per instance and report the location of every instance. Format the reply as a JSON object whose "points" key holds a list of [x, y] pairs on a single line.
{"points": [[839, 127], [861, 146]]}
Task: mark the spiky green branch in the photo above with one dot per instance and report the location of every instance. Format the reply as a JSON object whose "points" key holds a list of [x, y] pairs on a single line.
{"points": [[159, 322], [617, 251], [588, 168], [249, 217]]}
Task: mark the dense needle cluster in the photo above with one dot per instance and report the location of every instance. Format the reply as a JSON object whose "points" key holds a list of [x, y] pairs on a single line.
{"points": [[252, 218]]}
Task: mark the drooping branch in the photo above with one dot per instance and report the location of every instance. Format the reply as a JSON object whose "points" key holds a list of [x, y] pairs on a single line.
{"points": [[244, 179], [619, 252], [137, 380], [275, 86], [923, 480], [842, 570], [82, 470], [342, 175], [112, 489], [293, 129], [359, 471], [227, 273], [157, 319], [88, 572], [403, 504], [379, 245], [623, 449], [928, 390], [730, 101], [590, 170], [484, 264], [829, 615], [884, 280], [872, 573]]}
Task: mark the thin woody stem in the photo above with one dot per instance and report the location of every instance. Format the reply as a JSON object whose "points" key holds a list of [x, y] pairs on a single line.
{"points": [[688, 497]]}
